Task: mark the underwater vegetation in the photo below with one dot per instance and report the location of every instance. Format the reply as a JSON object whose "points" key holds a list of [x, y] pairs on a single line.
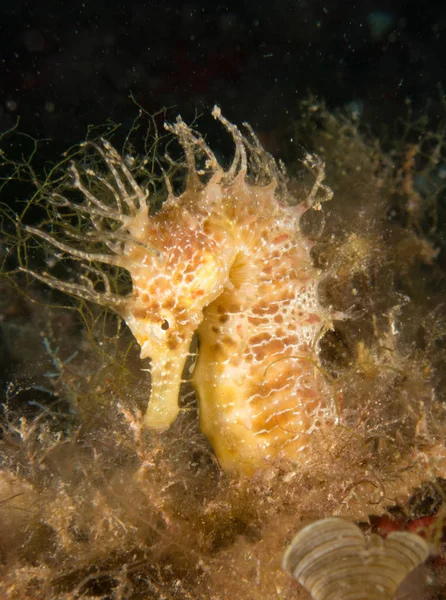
{"points": [[281, 365]]}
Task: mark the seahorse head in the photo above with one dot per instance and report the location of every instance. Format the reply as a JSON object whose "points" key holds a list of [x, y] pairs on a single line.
{"points": [[176, 271]]}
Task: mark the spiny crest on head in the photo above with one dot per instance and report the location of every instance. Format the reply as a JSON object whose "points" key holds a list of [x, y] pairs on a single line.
{"points": [[114, 207], [109, 205], [250, 158]]}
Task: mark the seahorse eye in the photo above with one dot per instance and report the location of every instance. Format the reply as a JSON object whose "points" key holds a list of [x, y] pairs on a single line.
{"points": [[165, 325]]}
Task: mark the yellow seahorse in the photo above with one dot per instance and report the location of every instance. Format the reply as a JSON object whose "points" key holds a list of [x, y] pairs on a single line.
{"points": [[225, 258]]}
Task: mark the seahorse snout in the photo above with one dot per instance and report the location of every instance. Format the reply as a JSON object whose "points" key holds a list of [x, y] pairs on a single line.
{"points": [[166, 373]]}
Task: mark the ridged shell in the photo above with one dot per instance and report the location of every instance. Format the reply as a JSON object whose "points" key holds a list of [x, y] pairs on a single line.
{"points": [[333, 560]]}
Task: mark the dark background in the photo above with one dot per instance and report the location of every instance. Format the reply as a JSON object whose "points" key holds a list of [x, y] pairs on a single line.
{"points": [[66, 65]]}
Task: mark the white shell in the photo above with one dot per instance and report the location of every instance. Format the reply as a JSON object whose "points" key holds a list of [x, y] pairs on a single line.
{"points": [[333, 560]]}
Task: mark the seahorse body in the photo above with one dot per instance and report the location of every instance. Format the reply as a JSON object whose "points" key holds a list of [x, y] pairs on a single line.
{"points": [[227, 258]]}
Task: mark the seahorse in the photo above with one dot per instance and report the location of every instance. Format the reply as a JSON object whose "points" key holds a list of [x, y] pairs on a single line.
{"points": [[225, 258]]}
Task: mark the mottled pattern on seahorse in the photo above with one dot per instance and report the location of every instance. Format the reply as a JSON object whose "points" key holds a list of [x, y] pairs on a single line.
{"points": [[227, 257]]}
